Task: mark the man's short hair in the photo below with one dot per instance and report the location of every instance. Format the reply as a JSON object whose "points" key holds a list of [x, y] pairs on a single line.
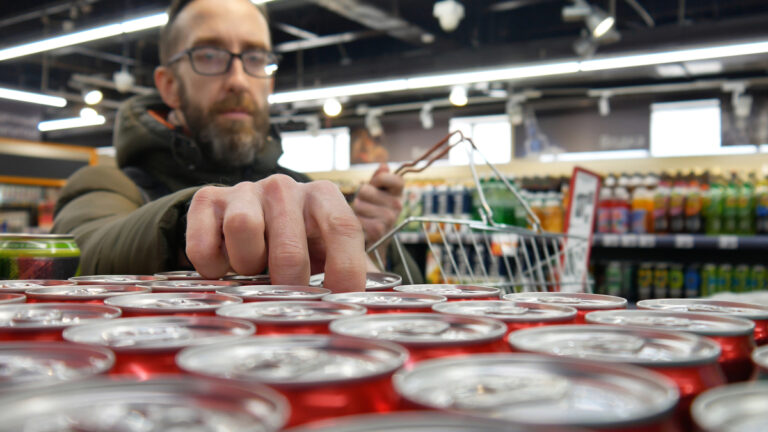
{"points": [[169, 39]]}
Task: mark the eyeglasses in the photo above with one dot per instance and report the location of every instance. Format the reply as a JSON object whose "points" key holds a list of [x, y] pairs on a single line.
{"points": [[212, 61]]}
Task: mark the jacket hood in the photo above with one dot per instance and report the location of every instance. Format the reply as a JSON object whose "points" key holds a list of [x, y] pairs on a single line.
{"points": [[143, 141]]}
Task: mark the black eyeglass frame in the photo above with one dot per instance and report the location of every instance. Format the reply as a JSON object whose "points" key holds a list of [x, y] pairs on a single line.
{"points": [[189, 51]]}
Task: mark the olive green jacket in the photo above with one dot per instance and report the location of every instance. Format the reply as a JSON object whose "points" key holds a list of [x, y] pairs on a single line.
{"points": [[130, 225]]}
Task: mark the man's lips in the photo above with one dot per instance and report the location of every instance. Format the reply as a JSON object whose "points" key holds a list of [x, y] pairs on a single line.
{"points": [[236, 114]]}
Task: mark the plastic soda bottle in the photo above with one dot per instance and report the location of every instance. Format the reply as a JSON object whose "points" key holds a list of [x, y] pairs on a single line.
{"points": [[693, 209], [620, 211], [660, 210], [604, 210], [677, 208], [676, 280], [731, 206], [746, 209], [714, 211], [642, 210]]}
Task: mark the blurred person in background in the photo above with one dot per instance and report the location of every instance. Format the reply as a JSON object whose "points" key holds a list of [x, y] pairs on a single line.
{"points": [[198, 181]]}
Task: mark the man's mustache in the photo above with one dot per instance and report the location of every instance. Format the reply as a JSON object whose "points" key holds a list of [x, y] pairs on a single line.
{"points": [[235, 102]]}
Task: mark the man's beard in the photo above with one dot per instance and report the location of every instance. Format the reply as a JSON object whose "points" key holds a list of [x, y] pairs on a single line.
{"points": [[229, 142]]}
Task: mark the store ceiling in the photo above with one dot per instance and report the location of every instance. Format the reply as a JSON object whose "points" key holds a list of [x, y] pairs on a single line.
{"points": [[327, 42]]}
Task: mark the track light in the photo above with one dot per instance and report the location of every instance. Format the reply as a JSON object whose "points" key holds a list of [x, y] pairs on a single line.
{"points": [[458, 96], [604, 106], [88, 112], [598, 22], [332, 107], [449, 13], [373, 122], [93, 97], [426, 117]]}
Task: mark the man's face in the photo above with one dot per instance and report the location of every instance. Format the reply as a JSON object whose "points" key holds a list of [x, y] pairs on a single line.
{"points": [[228, 114]]}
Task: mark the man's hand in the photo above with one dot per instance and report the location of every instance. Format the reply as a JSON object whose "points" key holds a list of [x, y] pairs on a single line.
{"points": [[295, 229], [379, 203]]}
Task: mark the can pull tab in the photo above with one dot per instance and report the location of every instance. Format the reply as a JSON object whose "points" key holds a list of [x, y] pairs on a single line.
{"points": [[179, 303], [20, 369], [133, 336], [656, 321], [614, 345], [38, 316], [86, 291], [419, 328], [493, 392], [503, 311], [389, 300], [712, 309], [288, 312], [283, 364]]}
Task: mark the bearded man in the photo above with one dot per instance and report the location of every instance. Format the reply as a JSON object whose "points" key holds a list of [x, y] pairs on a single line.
{"points": [[198, 180]]}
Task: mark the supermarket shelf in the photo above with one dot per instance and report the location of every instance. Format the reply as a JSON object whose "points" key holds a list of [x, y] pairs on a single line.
{"points": [[681, 241]]}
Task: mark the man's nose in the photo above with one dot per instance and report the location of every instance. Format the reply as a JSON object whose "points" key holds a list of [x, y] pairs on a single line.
{"points": [[237, 79]]}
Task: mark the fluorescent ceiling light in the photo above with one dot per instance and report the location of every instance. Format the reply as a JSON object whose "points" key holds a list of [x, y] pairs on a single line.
{"points": [[106, 31], [36, 98], [69, 123], [676, 56], [600, 155]]}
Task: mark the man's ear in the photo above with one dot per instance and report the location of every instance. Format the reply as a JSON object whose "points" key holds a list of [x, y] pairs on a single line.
{"points": [[168, 86]]}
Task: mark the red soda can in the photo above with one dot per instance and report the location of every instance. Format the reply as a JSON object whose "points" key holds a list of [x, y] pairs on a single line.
{"points": [[11, 298], [291, 317], [582, 302], [755, 312], [180, 304], [94, 294], [735, 407], [33, 364], [188, 286], [322, 376], [146, 347], [46, 321], [421, 421], [543, 391], [252, 293], [516, 315], [20, 286], [179, 275], [454, 292], [389, 302], [263, 279], [113, 279], [428, 335], [373, 281], [760, 359], [734, 335], [167, 404], [688, 360]]}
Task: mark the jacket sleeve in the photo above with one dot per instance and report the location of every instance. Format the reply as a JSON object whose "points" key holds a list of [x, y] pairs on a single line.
{"points": [[117, 232]]}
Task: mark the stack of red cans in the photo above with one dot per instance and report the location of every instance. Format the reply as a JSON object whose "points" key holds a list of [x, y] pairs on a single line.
{"points": [[46, 321], [389, 302], [322, 376], [291, 317], [734, 335], [183, 303], [755, 312], [188, 285], [517, 315], [428, 335], [543, 391], [688, 360], [251, 293], [582, 302], [373, 281], [454, 292], [146, 347]]}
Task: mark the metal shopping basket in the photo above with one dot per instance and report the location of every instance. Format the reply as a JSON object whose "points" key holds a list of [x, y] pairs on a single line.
{"points": [[484, 251]]}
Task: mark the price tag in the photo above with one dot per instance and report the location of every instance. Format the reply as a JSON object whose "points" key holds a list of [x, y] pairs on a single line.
{"points": [[629, 241], [728, 242], [611, 240], [580, 218], [683, 241], [504, 244], [646, 241]]}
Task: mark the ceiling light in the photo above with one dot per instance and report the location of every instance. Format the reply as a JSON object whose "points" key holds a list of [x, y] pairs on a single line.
{"points": [[332, 107], [36, 98], [93, 97], [520, 71], [720, 51], [88, 112], [514, 111], [598, 22], [670, 70], [109, 30], [604, 106], [70, 123], [426, 117], [373, 122], [705, 67], [449, 13], [458, 96]]}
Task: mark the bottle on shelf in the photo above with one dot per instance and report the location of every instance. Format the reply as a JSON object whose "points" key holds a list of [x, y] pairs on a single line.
{"points": [[694, 207], [661, 209], [642, 211], [761, 207], [604, 210], [620, 211], [677, 206], [731, 206], [552, 220], [713, 205], [745, 213]]}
